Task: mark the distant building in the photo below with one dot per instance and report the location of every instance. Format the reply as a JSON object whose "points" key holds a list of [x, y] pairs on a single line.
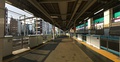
{"points": [[29, 29], [42, 27], [47, 28], [13, 26], [32, 28], [6, 28], [15, 13], [38, 26]]}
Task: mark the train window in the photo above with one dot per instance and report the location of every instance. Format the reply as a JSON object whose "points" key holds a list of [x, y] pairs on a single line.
{"points": [[99, 23]]}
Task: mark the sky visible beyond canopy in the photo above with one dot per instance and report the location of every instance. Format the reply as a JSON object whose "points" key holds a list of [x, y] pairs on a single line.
{"points": [[16, 13]]}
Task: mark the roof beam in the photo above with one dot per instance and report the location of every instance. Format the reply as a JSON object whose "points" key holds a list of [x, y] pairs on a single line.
{"points": [[74, 12], [67, 14], [40, 8], [54, 1], [59, 14], [87, 6], [63, 9]]}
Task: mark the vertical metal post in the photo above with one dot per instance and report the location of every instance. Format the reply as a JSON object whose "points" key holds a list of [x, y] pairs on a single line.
{"points": [[36, 26], [46, 28], [119, 48], [90, 31], [107, 43], [90, 39], [59, 32], [84, 26], [22, 41], [74, 33], [90, 36], [27, 28], [24, 26], [53, 28], [20, 27], [74, 30], [24, 33]]}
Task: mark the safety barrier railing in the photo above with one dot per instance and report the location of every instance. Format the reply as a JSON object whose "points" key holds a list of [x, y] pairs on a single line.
{"points": [[108, 43], [20, 42], [111, 44]]}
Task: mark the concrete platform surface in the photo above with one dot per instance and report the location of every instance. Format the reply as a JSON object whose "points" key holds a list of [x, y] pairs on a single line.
{"points": [[62, 49], [67, 51]]}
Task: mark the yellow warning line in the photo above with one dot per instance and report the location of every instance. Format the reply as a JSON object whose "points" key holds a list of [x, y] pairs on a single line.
{"points": [[102, 52]]}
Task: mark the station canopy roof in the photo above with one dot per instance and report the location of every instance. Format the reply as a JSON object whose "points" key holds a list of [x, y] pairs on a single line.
{"points": [[64, 13]]}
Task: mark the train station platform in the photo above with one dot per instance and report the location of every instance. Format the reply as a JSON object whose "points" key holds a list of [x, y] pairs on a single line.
{"points": [[62, 49]]}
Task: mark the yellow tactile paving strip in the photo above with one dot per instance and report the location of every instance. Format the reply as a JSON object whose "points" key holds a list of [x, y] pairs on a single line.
{"points": [[102, 52]]}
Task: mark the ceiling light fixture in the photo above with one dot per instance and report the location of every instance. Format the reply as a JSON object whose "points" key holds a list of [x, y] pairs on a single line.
{"points": [[86, 18], [80, 22], [54, 16], [8, 2], [28, 11], [98, 11]]}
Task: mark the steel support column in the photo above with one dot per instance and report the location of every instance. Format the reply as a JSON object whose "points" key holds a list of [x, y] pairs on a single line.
{"points": [[53, 29], [2, 16]]}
